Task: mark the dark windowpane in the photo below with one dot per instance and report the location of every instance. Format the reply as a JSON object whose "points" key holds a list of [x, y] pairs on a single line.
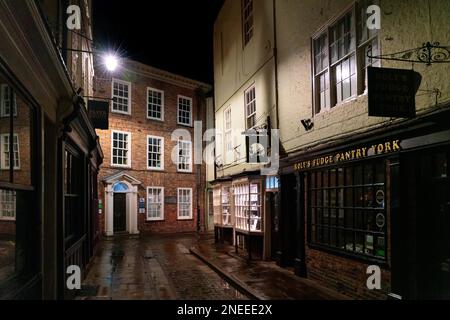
{"points": [[341, 239], [326, 182], [349, 219], [349, 241], [326, 198], [341, 216], [359, 242], [368, 197], [358, 176], [319, 179], [368, 174], [333, 237], [333, 178], [319, 216], [326, 236], [341, 177], [313, 198], [380, 247], [370, 221], [359, 220], [319, 198], [359, 197], [349, 176], [349, 197], [333, 203], [380, 172]]}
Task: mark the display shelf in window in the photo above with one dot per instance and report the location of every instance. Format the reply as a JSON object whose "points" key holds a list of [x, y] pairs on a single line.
{"points": [[223, 213], [247, 206]]}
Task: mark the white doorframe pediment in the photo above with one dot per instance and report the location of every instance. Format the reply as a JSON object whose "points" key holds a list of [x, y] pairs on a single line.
{"points": [[132, 198]]}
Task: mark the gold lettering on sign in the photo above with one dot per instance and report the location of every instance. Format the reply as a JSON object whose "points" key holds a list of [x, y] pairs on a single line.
{"points": [[350, 155]]}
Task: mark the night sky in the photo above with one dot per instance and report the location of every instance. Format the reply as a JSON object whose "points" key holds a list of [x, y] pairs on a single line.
{"points": [[176, 36]]}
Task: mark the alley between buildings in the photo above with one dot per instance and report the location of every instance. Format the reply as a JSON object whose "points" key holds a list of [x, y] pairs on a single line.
{"points": [[149, 268]]}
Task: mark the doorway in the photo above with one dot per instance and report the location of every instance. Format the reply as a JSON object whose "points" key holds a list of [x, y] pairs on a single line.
{"points": [[120, 212], [426, 212]]}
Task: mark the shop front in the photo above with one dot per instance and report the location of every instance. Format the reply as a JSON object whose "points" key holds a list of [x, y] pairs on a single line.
{"points": [[378, 199], [223, 209], [241, 215]]}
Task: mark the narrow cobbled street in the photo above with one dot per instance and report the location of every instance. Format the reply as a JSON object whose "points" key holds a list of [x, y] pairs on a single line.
{"points": [[148, 268]]}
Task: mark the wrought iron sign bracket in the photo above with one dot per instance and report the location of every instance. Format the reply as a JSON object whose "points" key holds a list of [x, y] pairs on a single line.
{"points": [[428, 54]]}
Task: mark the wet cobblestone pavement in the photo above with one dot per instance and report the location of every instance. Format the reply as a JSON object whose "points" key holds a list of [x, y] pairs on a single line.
{"points": [[154, 268]]}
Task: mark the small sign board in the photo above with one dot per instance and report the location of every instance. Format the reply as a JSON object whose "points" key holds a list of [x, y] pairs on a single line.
{"points": [[170, 200], [392, 92], [257, 148], [99, 114]]}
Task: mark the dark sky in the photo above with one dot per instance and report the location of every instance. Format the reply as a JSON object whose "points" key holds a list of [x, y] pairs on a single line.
{"points": [[172, 35]]}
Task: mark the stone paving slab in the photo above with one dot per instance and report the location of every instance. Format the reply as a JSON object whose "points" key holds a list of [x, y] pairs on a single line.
{"points": [[260, 279]]}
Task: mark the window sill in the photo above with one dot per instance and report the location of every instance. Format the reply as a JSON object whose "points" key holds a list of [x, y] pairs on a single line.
{"points": [[185, 219], [7, 220], [185, 172], [121, 113], [155, 119], [156, 220], [185, 125], [155, 169], [120, 166]]}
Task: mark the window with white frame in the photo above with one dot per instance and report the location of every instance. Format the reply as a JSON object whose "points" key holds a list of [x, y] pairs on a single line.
{"points": [[5, 155], [184, 203], [228, 133], [155, 204], [121, 155], [340, 58], [184, 156], [7, 101], [121, 97], [155, 104], [184, 111], [247, 20], [250, 107], [7, 205], [155, 155]]}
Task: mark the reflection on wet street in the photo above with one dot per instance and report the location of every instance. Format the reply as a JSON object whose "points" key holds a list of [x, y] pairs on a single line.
{"points": [[153, 268]]}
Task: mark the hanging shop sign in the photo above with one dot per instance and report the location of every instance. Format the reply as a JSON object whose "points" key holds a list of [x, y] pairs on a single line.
{"points": [[257, 148], [392, 92], [350, 155], [99, 114]]}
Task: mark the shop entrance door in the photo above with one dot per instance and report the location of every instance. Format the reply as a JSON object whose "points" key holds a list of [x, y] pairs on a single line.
{"points": [[428, 240]]}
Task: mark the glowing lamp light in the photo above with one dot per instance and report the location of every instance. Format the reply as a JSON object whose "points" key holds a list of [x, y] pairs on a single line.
{"points": [[111, 62]]}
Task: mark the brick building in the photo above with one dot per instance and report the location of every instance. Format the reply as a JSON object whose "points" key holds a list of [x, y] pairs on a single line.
{"points": [[152, 117]]}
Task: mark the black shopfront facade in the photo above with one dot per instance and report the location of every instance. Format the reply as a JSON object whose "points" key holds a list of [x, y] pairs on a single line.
{"points": [[381, 198]]}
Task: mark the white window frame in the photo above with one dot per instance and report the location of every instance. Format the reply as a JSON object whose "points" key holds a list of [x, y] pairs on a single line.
{"points": [[190, 217], [13, 103], [113, 96], [161, 217], [7, 218], [191, 113], [162, 153], [162, 103], [129, 149], [3, 165], [190, 156], [247, 104]]}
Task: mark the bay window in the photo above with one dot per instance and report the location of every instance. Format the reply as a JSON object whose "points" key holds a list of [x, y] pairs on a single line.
{"points": [[347, 209]]}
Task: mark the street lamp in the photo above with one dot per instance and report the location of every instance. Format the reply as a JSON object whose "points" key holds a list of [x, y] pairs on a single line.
{"points": [[111, 62]]}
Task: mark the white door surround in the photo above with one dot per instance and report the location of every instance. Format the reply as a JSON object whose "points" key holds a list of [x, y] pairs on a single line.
{"points": [[123, 183]]}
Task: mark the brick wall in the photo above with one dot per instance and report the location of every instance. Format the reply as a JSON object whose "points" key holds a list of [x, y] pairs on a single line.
{"points": [[140, 127], [7, 228], [345, 275]]}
